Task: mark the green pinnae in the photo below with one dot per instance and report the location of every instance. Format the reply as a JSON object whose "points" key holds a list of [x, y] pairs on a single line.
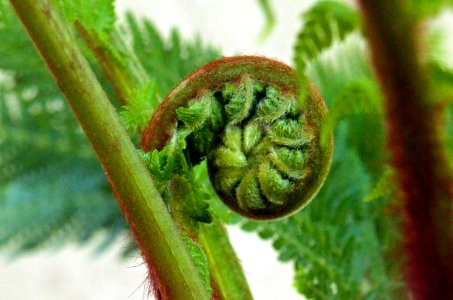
{"points": [[273, 185], [229, 179], [293, 110], [196, 113], [248, 193], [232, 138], [216, 119], [253, 134], [242, 100], [290, 162], [289, 132], [227, 157], [227, 91], [273, 106]]}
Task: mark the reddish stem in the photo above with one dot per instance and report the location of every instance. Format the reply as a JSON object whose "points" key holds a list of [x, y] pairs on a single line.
{"points": [[423, 175]]}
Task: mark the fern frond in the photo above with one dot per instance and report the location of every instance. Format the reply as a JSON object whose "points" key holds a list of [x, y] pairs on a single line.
{"points": [[338, 219], [166, 61], [324, 23], [137, 112], [65, 200]]}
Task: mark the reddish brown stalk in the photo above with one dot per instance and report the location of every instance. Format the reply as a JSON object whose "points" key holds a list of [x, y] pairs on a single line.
{"points": [[423, 174]]}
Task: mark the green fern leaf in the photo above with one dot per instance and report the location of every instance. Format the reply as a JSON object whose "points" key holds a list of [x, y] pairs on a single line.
{"points": [[93, 15], [57, 206], [324, 23], [166, 61], [136, 113]]}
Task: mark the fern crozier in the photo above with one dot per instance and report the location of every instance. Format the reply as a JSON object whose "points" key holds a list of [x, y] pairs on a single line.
{"points": [[265, 158]]}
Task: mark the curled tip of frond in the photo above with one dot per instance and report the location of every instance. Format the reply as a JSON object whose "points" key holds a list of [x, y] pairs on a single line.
{"points": [[265, 158]]}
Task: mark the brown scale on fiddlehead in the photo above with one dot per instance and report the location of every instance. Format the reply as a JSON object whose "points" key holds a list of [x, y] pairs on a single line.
{"points": [[265, 158]]}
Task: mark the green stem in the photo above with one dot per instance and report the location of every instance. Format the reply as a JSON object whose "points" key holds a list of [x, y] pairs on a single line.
{"points": [[423, 173], [170, 266], [227, 277], [226, 272]]}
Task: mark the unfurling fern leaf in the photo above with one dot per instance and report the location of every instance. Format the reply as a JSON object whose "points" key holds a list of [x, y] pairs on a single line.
{"points": [[262, 144]]}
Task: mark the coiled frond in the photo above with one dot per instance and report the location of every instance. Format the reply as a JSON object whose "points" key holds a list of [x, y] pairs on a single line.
{"points": [[264, 154]]}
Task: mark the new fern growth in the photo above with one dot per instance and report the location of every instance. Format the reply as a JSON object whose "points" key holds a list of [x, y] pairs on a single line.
{"points": [[263, 148]]}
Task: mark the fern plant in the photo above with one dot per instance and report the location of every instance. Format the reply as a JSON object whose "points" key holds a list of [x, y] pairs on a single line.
{"points": [[376, 202]]}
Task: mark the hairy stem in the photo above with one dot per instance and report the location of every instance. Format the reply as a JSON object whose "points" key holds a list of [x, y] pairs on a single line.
{"points": [[423, 173], [226, 272], [171, 268]]}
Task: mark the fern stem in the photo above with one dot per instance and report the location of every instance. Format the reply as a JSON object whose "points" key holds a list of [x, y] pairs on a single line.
{"points": [[226, 271], [170, 266], [423, 173]]}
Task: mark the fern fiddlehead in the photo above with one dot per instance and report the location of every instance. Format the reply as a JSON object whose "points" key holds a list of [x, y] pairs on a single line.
{"points": [[265, 158]]}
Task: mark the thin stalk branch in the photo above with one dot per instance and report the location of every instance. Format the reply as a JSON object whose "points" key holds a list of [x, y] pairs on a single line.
{"points": [[423, 173], [226, 271], [174, 274], [227, 277]]}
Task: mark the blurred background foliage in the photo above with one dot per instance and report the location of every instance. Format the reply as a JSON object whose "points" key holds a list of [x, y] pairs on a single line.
{"points": [[343, 245]]}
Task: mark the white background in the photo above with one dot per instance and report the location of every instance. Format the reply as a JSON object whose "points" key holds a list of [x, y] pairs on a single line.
{"points": [[76, 273]]}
